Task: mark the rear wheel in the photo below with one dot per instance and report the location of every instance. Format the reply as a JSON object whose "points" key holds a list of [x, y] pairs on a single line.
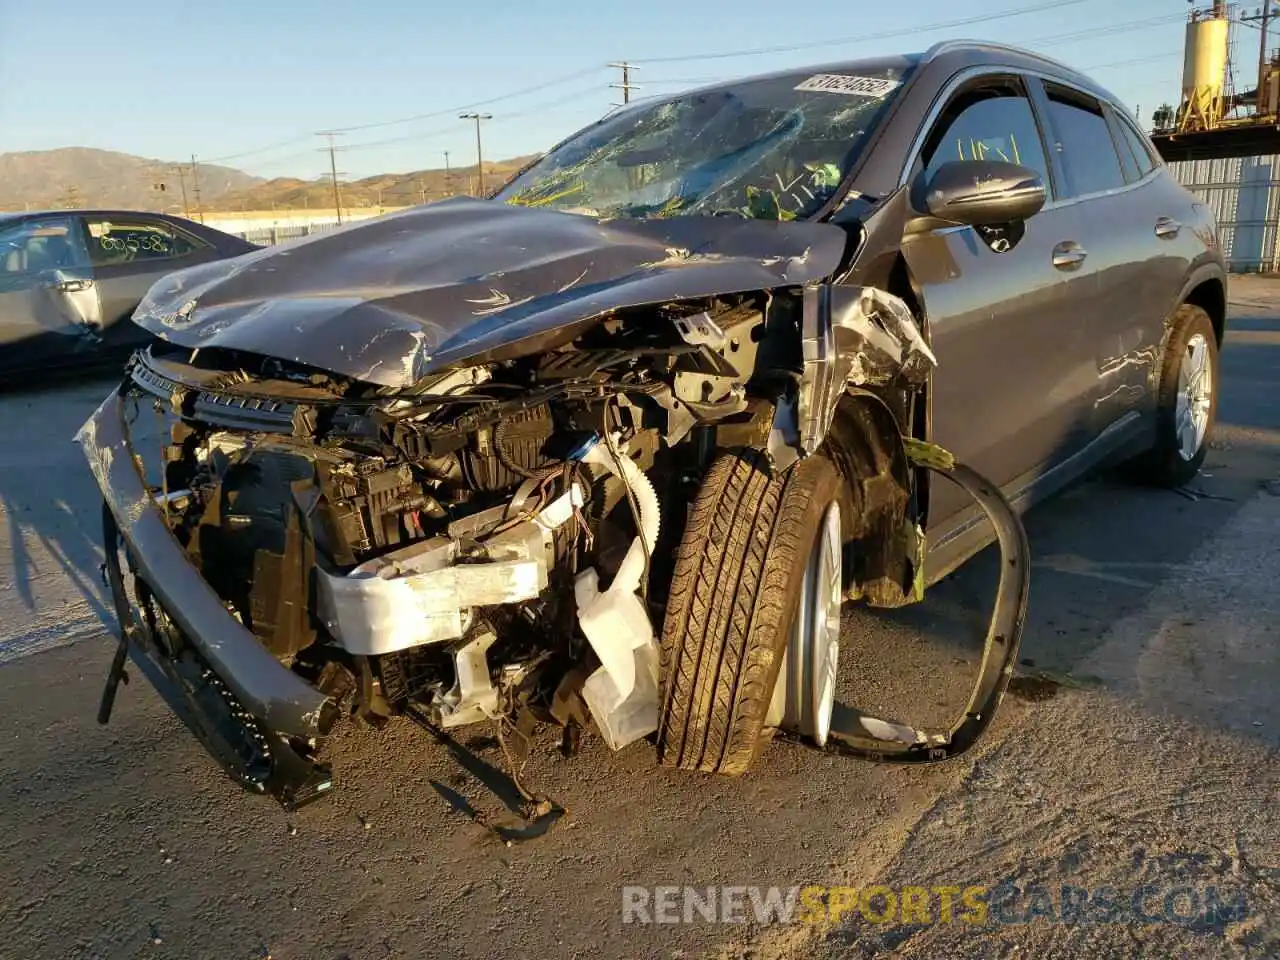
{"points": [[1187, 401], [758, 566]]}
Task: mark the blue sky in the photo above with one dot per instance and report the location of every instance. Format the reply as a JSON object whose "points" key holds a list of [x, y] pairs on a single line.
{"points": [[228, 78]]}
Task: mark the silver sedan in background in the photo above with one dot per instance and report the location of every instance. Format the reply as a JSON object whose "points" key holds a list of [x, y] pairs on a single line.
{"points": [[69, 281]]}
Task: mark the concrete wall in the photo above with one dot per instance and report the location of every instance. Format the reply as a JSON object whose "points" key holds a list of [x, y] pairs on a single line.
{"points": [[241, 221]]}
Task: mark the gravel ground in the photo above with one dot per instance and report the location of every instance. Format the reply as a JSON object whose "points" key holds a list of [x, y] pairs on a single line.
{"points": [[1142, 750]]}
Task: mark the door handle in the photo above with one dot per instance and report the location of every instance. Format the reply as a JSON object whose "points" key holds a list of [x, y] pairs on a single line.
{"points": [[71, 286], [1167, 228], [1068, 255]]}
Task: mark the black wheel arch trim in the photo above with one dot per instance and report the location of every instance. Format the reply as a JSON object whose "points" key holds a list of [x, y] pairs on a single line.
{"points": [[854, 733], [1205, 273]]}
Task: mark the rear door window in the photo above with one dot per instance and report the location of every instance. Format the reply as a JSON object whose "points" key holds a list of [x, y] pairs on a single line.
{"points": [[125, 241], [1137, 143], [1127, 160], [991, 120], [1083, 141]]}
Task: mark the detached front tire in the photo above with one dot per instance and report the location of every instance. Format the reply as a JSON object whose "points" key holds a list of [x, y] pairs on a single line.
{"points": [[1187, 401], [735, 595]]}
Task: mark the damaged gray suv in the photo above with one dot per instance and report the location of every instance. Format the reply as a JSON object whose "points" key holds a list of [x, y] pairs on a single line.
{"points": [[609, 449]]}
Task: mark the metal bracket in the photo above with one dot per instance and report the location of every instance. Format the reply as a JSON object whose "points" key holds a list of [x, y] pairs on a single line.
{"points": [[856, 734]]}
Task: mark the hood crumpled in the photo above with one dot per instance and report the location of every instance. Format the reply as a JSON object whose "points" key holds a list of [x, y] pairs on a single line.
{"points": [[391, 299]]}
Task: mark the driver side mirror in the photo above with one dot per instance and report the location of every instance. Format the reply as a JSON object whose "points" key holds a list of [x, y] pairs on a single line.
{"points": [[979, 193]]}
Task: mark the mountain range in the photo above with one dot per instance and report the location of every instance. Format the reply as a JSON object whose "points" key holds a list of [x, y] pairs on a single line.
{"points": [[84, 177]]}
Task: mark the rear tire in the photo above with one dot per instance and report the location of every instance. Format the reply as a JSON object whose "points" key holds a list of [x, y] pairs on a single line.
{"points": [[1187, 402], [734, 596]]}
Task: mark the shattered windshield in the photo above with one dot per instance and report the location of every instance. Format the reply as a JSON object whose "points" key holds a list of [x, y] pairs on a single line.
{"points": [[774, 148]]}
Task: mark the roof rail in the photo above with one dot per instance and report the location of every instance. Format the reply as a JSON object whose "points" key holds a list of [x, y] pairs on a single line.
{"points": [[946, 46]]}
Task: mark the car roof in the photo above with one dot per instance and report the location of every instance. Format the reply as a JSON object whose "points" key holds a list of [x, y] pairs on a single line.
{"points": [[219, 238], [966, 53], [95, 212], [956, 54]]}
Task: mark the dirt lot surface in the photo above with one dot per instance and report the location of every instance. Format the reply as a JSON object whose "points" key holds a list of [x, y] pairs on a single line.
{"points": [[1139, 753]]}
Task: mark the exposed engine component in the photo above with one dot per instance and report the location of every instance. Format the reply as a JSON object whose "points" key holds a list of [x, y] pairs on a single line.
{"points": [[510, 451]]}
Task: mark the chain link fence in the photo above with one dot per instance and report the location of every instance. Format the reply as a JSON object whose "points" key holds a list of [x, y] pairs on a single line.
{"points": [[270, 236]]}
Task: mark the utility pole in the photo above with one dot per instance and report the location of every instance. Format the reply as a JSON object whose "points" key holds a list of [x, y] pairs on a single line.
{"points": [[333, 169], [477, 117], [182, 179], [448, 176], [1263, 19], [626, 86], [195, 186], [1262, 53]]}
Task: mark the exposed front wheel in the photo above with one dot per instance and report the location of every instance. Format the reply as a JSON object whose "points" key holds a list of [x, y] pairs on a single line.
{"points": [[758, 572]]}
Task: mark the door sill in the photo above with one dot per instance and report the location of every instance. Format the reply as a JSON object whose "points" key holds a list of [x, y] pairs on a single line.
{"points": [[970, 532]]}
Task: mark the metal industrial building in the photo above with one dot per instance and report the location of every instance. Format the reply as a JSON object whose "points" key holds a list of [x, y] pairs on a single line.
{"points": [[1224, 145]]}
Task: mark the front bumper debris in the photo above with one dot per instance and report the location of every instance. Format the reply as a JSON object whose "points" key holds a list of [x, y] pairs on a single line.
{"points": [[417, 595], [211, 670]]}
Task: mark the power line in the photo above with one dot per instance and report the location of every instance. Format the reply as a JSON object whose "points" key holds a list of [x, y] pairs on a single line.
{"points": [[1100, 31], [555, 81], [674, 80], [1131, 61], [286, 158], [626, 66], [546, 84], [867, 37], [251, 153], [1049, 40], [450, 130]]}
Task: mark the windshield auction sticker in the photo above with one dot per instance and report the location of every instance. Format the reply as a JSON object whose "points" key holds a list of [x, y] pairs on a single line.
{"points": [[855, 86]]}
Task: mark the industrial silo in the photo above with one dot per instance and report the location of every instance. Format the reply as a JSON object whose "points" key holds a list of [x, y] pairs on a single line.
{"points": [[1204, 68]]}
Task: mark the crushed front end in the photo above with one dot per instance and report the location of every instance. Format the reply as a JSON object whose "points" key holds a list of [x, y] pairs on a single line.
{"points": [[356, 478], [289, 547]]}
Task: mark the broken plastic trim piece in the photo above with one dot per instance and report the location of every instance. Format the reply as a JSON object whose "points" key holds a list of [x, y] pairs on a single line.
{"points": [[622, 694], [870, 738], [853, 336]]}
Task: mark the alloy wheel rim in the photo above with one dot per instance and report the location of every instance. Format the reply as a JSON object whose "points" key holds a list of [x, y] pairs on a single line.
{"points": [[807, 681], [1194, 398]]}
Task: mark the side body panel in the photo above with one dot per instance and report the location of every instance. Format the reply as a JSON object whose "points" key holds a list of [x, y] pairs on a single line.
{"points": [[1096, 396], [1013, 386], [1011, 312]]}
